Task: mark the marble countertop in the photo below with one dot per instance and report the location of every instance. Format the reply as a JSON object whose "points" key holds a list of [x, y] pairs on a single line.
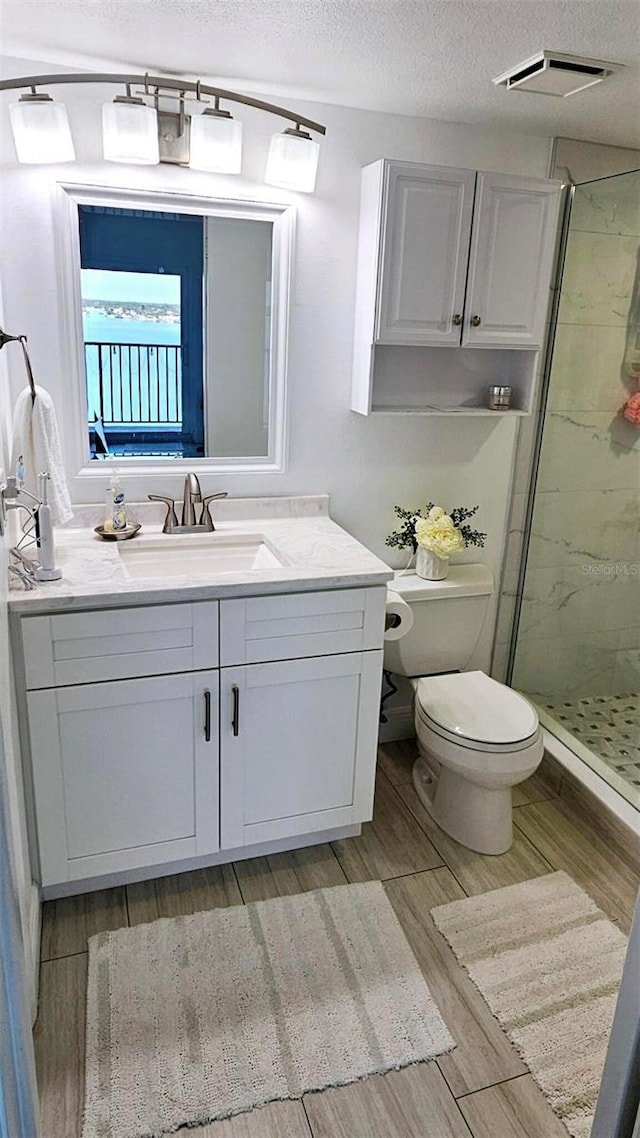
{"points": [[315, 551]]}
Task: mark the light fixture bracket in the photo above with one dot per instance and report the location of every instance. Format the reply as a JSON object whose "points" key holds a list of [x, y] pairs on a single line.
{"points": [[35, 97], [174, 133]]}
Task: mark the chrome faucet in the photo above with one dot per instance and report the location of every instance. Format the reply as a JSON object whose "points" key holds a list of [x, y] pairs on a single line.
{"points": [[192, 497]]}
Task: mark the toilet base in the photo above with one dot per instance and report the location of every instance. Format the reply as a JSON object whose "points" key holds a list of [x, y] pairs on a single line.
{"points": [[478, 817]]}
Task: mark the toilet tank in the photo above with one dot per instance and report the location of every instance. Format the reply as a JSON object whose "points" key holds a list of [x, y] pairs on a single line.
{"points": [[448, 618]]}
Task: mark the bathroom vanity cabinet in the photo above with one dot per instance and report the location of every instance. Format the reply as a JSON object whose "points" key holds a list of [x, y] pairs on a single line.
{"points": [[450, 259], [164, 736]]}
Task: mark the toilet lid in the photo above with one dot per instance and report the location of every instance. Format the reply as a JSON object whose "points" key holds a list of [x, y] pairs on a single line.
{"points": [[470, 705]]}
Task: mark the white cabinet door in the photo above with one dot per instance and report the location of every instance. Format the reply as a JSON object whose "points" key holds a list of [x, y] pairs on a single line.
{"points": [[125, 773], [514, 230], [426, 227], [297, 746]]}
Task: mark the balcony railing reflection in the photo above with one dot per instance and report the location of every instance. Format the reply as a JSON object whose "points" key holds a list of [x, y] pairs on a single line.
{"points": [[134, 384]]}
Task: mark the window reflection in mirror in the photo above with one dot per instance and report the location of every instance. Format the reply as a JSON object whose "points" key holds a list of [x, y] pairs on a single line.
{"points": [[176, 315]]}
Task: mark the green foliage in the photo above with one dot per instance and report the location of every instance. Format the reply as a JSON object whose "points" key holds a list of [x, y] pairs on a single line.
{"points": [[405, 536]]}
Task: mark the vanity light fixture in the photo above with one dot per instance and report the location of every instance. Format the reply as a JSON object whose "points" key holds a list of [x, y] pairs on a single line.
{"points": [[142, 134], [130, 131], [41, 129], [216, 141], [293, 160]]}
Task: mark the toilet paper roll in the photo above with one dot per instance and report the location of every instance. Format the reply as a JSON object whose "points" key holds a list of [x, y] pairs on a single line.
{"points": [[398, 617]]}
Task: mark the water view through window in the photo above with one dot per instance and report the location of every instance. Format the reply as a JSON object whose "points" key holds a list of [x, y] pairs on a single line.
{"points": [[131, 325]]}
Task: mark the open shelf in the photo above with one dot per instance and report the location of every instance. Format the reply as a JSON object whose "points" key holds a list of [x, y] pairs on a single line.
{"points": [[449, 381]]}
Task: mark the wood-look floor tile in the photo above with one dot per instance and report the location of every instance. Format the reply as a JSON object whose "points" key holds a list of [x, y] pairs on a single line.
{"points": [[479, 873], [397, 759], [570, 844], [59, 1046], [483, 1055], [412, 1103], [392, 845], [516, 1109], [295, 871], [533, 789], [616, 836], [67, 923], [182, 894], [277, 1120]]}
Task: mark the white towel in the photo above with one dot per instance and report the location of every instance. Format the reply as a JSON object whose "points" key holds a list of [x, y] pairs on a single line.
{"points": [[37, 439]]}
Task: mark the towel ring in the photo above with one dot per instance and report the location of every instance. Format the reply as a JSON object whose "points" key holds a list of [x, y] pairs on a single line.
{"points": [[5, 338]]}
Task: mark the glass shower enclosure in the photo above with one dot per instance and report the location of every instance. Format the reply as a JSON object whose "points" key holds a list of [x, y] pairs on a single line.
{"points": [[576, 645]]}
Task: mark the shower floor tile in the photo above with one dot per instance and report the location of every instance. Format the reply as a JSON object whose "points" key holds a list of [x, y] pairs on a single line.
{"points": [[609, 725]]}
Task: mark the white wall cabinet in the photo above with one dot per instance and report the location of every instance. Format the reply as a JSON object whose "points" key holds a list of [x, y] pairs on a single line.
{"points": [[514, 226], [159, 770], [425, 251], [450, 259]]}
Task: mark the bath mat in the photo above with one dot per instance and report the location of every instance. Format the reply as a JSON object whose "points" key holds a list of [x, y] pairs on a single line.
{"points": [[195, 1018], [548, 963]]}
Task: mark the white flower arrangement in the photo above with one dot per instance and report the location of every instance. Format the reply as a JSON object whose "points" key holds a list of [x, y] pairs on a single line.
{"points": [[435, 530], [437, 533]]}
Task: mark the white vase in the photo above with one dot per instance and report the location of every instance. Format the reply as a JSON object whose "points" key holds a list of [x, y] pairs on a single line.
{"points": [[430, 566]]}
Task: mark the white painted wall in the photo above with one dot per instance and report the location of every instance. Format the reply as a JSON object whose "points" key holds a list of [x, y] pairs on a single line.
{"points": [[27, 894], [365, 464]]}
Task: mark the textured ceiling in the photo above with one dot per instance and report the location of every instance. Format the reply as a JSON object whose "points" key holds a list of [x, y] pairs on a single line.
{"points": [[433, 58]]}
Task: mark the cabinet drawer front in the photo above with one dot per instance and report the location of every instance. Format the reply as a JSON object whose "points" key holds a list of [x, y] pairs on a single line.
{"points": [[296, 625], [119, 644]]}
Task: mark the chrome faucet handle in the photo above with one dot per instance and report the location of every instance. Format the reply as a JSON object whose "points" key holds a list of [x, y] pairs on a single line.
{"points": [[170, 521], [206, 520]]}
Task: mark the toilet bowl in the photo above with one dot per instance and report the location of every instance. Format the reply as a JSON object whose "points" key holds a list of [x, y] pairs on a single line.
{"points": [[476, 739]]}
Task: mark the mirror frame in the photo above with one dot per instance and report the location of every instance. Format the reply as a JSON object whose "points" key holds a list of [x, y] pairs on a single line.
{"points": [[68, 197]]}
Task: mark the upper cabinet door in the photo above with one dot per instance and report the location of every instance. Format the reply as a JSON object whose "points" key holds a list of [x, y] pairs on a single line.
{"points": [[425, 245], [514, 229]]}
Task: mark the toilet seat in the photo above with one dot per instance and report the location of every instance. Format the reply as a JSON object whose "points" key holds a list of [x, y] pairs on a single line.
{"points": [[475, 712]]}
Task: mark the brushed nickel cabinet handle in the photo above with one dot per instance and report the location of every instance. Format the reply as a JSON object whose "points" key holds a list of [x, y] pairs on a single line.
{"points": [[475, 321], [457, 320], [207, 716], [235, 716]]}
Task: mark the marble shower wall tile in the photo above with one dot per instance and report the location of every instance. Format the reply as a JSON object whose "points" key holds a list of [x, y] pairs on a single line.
{"points": [[610, 205], [587, 369], [589, 450], [584, 527], [598, 279], [563, 668], [570, 601], [627, 666]]}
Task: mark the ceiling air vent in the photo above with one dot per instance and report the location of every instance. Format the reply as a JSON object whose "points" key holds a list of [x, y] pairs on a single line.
{"points": [[552, 73]]}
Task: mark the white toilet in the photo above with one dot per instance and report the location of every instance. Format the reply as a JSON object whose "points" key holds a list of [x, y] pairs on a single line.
{"points": [[476, 737]]}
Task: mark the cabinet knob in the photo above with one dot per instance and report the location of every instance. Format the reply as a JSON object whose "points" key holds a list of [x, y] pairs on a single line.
{"points": [[475, 321], [457, 320]]}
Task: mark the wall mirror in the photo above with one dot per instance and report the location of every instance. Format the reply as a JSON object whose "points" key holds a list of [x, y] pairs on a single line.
{"points": [[179, 313]]}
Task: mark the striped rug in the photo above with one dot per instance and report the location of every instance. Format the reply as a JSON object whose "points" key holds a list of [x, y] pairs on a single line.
{"points": [[196, 1018], [549, 963]]}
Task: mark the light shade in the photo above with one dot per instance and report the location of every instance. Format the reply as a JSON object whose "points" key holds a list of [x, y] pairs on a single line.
{"points": [[216, 142], [293, 161], [41, 131], [130, 132]]}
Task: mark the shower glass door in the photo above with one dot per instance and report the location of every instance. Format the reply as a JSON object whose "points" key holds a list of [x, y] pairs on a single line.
{"points": [[577, 651]]}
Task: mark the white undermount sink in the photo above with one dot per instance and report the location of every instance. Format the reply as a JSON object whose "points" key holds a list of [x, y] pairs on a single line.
{"points": [[198, 557]]}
